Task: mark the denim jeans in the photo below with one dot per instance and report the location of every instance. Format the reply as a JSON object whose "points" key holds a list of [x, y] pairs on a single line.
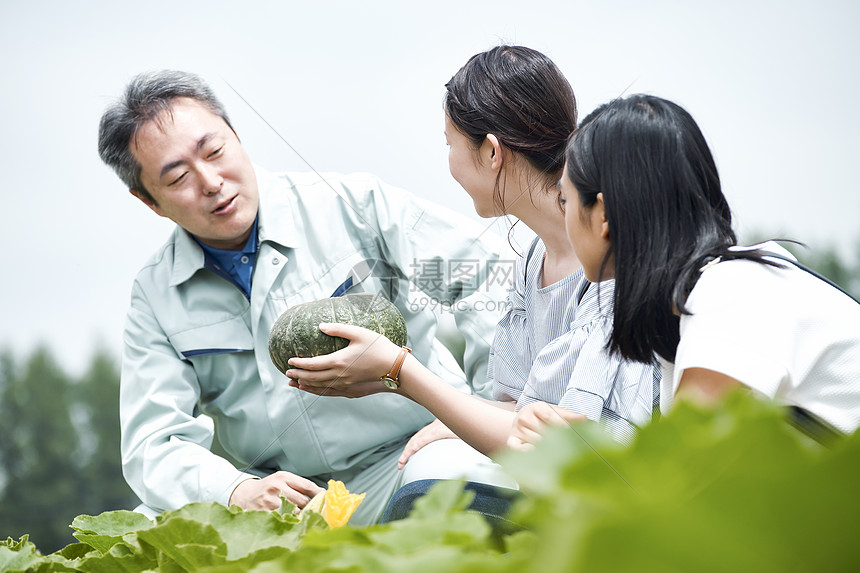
{"points": [[490, 501]]}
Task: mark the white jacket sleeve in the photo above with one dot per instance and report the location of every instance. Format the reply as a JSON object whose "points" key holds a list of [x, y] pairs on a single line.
{"points": [[165, 440], [452, 261]]}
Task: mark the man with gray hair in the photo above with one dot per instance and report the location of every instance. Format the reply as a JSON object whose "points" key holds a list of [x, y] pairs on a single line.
{"points": [[248, 245]]}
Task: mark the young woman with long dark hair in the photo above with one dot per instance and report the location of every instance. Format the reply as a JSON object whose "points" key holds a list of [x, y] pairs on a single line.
{"points": [[508, 115], [644, 206]]}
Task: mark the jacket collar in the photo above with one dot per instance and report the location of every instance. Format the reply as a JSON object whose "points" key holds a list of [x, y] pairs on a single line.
{"points": [[275, 221], [188, 257]]}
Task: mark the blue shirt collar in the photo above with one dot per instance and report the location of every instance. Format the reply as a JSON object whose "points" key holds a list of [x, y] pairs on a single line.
{"points": [[250, 247], [235, 266]]}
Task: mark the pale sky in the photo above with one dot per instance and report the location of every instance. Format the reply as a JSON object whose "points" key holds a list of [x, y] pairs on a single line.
{"points": [[357, 86]]}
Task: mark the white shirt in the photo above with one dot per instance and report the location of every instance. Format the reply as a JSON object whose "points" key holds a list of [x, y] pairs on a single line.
{"points": [[781, 332]]}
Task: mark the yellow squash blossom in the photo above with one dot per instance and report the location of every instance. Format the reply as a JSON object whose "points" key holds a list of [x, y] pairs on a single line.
{"points": [[335, 504], [339, 504]]}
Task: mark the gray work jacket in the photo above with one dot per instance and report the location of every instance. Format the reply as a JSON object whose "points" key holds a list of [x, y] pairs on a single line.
{"points": [[194, 344]]}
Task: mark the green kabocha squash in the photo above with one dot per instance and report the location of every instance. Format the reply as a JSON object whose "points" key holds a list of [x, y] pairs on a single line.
{"points": [[297, 333]]}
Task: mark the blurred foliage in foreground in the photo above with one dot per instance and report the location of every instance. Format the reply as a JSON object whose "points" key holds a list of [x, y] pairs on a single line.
{"points": [[737, 489]]}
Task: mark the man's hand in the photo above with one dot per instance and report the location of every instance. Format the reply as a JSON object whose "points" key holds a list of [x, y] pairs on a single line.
{"points": [[532, 420], [266, 493], [433, 431], [354, 390]]}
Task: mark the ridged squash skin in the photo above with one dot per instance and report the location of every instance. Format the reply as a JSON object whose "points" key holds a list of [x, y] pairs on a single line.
{"points": [[297, 333]]}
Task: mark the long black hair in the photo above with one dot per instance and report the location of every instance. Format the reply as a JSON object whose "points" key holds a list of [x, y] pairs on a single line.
{"points": [[666, 211], [519, 95]]}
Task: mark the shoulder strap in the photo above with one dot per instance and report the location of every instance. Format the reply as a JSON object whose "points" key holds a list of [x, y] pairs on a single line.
{"points": [[532, 249], [812, 272], [813, 426], [655, 391], [528, 258]]}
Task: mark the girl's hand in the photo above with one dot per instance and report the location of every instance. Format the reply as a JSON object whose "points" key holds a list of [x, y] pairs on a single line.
{"points": [[352, 371], [356, 390], [532, 420], [433, 431]]}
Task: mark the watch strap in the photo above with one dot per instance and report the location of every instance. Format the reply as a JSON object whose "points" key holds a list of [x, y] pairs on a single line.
{"points": [[394, 374]]}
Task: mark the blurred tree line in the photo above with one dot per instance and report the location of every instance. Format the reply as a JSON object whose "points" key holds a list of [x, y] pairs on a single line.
{"points": [[59, 447], [828, 262], [59, 435]]}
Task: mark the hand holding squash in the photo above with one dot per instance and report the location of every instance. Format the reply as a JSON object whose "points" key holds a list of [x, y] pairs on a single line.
{"points": [[297, 332], [353, 371]]}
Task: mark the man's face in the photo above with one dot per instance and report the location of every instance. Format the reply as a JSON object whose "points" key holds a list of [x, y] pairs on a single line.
{"points": [[198, 174]]}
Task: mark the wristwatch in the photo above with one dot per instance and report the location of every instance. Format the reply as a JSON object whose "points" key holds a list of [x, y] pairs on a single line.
{"points": [[391, 379]]}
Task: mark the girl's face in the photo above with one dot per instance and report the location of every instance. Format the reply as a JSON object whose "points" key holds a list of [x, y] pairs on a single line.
{"points": [[587, 230], [472, 170]]}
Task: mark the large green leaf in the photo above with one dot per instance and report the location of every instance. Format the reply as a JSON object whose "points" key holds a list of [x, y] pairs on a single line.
{"points": [[103, 531], [112, 523], [244, 532], [731, 489], [18, 555], [186, 543]]}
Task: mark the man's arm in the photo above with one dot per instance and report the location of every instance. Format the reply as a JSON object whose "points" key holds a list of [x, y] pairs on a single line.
{"points": [[453, 261], [165, 446], [477, 317]]}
